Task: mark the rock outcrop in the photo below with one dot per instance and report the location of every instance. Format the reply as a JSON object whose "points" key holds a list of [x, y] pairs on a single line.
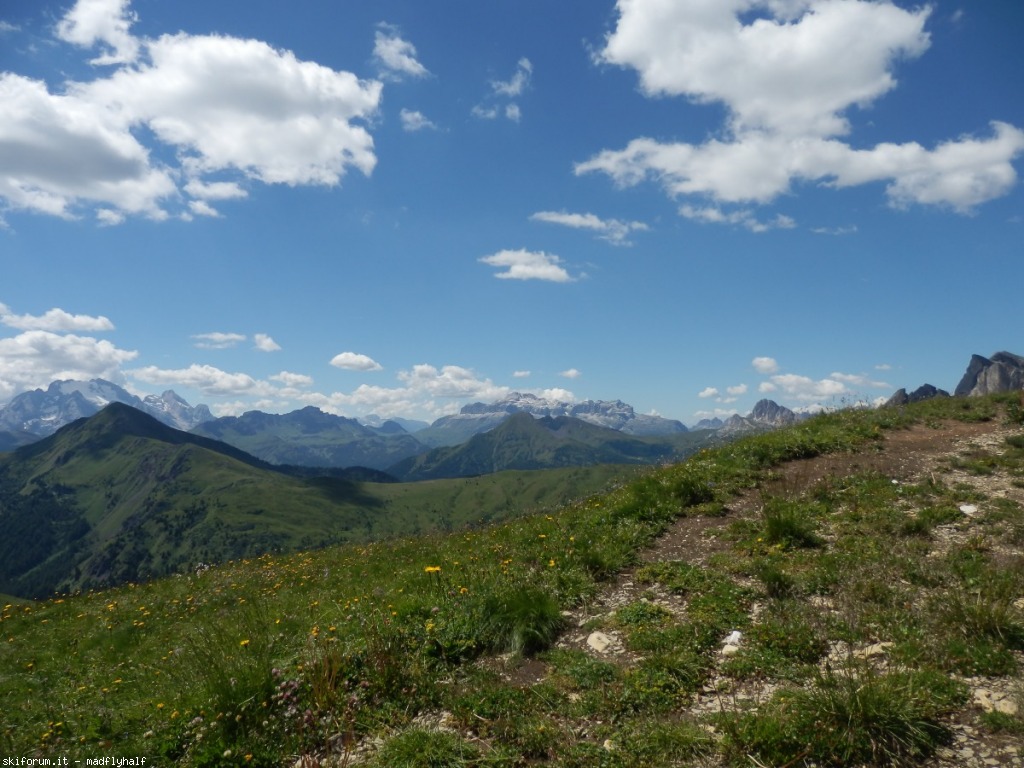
{"points": [[1003, 372], [924, 392]]}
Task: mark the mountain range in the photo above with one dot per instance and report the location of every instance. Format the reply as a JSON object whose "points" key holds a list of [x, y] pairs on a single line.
{"points": [[475, 418], [309, 437], [42, 412], [525, 441]]}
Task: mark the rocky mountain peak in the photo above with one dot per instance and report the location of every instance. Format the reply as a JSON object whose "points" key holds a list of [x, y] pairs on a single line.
{"points": [[42, 412], [1003, 372]]}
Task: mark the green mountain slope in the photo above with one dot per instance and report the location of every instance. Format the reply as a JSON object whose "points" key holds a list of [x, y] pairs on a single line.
{"points": [[309, 437], [524, 442], [120, 497]]}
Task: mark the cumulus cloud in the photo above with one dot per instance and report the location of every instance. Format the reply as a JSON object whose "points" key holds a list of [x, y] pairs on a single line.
{"points": [[805, 389], [205, 378], [450, 381], [264, 343], [765, 364], [614, 231], [223, 105], [424, 389], [353, 361], [292, 379], [54, 320], [106, 22], [739, 389], [396, 57], [414, 121], [217, 340], [571, 373], [520, 374], [788, 77], [528, 265], [708, 392], [37, 357]]}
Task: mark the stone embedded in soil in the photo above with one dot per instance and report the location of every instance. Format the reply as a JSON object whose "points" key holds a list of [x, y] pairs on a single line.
{"points": [[600, 642]]}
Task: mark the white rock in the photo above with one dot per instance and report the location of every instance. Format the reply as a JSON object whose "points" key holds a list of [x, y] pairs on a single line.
{"points": [[599, 641], [968, 509], [730, 650], [733, 638]]}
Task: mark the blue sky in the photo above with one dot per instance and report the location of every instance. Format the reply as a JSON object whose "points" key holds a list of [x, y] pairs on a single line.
{"points": [[400, 207]]}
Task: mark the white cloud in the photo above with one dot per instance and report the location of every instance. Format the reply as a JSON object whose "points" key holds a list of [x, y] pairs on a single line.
{"points": [[206, 378], [37, 357], [108, 22], [787, 78], [217, 340], [739, 389], [203, 208], [502, 90], [484, 113], [613, 230], [858, 380], [222, 104], [794, 73], [414, 121], [837, 231], [61, 149], [395, 56], [528, 265], [805, 389], [352, 361], [744, 218], [264, 343], [450, 381], [883, 367], [217, 190], [765, 364], [571, 373], [708, 392], [54, 320], [519, 81], [231, 104], [292, 379], [520, 374]]}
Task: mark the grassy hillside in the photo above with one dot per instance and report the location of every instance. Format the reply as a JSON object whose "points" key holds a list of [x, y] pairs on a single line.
{"points": [[874, 615], [120, 497]]}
